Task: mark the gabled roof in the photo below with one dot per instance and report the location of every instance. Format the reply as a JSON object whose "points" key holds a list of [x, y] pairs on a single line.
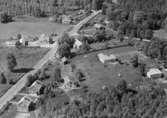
{"points": [[36, 86], [153, 71], [25, 101]]}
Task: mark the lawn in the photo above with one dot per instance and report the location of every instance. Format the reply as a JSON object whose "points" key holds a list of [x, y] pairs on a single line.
{"points": [[99, 74], [30, 27]]}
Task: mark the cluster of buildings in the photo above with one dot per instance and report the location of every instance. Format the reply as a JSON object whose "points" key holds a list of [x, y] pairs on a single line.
{"points": [[68, 19], [43, 40], [29, 100]]}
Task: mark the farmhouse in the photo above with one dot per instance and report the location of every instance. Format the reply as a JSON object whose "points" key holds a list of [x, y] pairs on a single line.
{"points": [[36, 88], [154, 73], [26, 104], [105, 58]]}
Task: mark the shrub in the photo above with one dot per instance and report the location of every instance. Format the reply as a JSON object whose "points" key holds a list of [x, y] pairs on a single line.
{"points": [[3, 79]]}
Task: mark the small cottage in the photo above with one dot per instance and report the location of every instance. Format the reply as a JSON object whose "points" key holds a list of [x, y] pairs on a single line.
{"points": [[36, 88], [154, 73]]}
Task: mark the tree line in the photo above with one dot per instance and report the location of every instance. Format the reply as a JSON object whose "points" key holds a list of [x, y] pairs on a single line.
{"points": [[46, 7], [146, 5]]}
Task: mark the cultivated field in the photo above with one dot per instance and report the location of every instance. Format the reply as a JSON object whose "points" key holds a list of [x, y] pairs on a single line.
{"points": [[99, 74]]}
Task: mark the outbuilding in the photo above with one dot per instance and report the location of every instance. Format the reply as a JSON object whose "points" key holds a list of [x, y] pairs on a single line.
{"points": [[105, 58], [154, 73]]}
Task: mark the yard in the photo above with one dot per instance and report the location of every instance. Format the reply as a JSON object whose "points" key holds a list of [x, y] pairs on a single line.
{"points": [[99, 74]]}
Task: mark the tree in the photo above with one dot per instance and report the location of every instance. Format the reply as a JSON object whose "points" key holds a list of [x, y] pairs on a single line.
{"points": [[100, 35], [85, 47], [19, 36], [30, 80], [5, 18], [79, 75], [143, 69], [134, 61], [149, 34], [64, 50], [11, 61], [18, 45], [3, 79], [67, 39]]}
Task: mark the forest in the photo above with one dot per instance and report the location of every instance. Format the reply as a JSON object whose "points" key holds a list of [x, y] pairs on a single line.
{"points": [[45, 7], [113, 102], [146, 5]]}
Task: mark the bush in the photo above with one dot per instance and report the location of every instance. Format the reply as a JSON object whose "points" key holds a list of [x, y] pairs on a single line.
{"points": [[3, 79], [30, 80], [5, 18]]}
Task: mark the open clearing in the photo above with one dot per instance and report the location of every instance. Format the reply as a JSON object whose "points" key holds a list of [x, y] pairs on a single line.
{"points": [[30, 28], [99, 74]]}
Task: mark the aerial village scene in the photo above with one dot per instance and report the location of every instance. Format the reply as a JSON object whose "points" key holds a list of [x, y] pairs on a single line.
{"points": [[83, 58]]}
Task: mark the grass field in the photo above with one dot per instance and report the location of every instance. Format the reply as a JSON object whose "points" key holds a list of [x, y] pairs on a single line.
{"points": [[30, 27], [99, 74]]}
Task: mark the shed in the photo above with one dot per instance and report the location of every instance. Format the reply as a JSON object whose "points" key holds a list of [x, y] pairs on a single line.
{"points": [[36, 88], [105, 58], [154, 73]]}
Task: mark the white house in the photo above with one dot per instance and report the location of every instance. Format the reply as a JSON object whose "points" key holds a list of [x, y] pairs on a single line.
{"points": [[105, 58], [154, 73], [77, 44]]}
